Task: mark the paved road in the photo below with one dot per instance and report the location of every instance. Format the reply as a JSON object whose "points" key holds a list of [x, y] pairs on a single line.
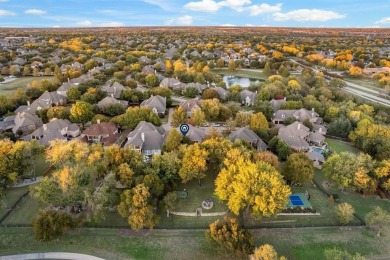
{"points": [[359, 90], [167, 126], [51, 255]]}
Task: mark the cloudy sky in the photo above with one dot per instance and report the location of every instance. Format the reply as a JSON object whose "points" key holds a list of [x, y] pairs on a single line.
{"points": [[94, 13]]}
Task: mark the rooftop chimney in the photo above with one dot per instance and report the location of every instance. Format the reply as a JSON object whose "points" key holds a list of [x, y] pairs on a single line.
{"points": [[44, 127], [28, 103], [98, 121], [143, 137], [112, 95], [299, 126]]}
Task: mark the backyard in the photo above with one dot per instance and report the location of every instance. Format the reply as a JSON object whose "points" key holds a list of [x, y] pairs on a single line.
{"points": [[8, 88]]}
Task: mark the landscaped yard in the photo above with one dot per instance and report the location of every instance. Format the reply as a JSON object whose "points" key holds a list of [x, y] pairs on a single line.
{"points": [[245, 73], [339, 146], [8, 88]]}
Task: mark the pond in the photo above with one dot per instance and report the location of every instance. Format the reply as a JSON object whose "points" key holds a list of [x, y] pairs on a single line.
{"points": [[242, 81]]}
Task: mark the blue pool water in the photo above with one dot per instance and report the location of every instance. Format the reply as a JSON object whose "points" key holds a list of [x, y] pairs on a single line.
{"points": [[318, 150]]}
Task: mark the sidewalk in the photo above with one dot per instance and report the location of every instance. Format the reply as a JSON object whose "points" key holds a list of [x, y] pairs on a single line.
{"points": [[51, 255], [26, 182]]}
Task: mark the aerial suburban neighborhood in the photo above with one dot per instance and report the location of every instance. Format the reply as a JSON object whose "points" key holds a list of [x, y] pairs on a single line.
{"points": [[194, 142]]}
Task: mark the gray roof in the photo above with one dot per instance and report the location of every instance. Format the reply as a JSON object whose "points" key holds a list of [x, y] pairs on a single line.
{"points": [[114, 90], [158, 103], [22, 120], [248, 94], [249, 136], [190, 104], [221, 92], [300, 115], [276, 103], [111, 100], [195, 134], [295, 136], [314, 156], [54, 130], [147, 136], [172, 83]]}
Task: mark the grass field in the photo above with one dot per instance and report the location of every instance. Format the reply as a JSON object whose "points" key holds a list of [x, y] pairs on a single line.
{"points": [[303, 243], [10, 198], [338, 146], [24, 213], [8, 88], [245, 73], [365, 82]]}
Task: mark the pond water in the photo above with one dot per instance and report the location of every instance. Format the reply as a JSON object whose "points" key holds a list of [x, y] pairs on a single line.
{"points": [[243, 82]]}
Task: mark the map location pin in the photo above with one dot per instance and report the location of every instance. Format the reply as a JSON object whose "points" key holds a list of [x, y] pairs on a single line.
{"points": [[184, 128]]}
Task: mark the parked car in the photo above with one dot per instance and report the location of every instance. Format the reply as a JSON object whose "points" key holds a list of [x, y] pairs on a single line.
{"points": [[215, 125], [206, 124]]}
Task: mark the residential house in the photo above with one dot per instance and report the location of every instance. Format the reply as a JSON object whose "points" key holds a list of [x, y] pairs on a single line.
{"points": [[45, 101], [198, 86], [144, 60], [276, 103], [19, 61], [113, 90], [105, 133], [189, 106], [247, 97], [111, 101], [56, 129], [301, 115], [299, 137], [146, 138], [21, 124], [158, 104], [172, 83], [223, 93], [249, 136], [148, 70], [62, 90], [317, 158], [195, 134]]}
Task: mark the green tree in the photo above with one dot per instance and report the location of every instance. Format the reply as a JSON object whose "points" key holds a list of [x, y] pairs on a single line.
{"points": [[190, 92], [73, 94], [51, 224], [298, 169], [231, 65], [345, 212], [59, 112], [178, 117], [267, 70], [210, 94], [211, 108], [152, 80], [379, 220], [228, 235], [81, 112], [114, 109], [134, 115]]}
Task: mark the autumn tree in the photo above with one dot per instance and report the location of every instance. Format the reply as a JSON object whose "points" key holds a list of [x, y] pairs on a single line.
{"points": [[231, 66], [210, 94], [194, 163], [167, 167], [135, 206], [345, 212], [73, 94], [258, 187], [355, 71], [81, 112], [178, 117], [229, 236], [243, 119], [258, 123], [339, 254], [268, 157], [298, 169], [152, 80], [217, 149], [58, 112], [211, 108], [267, 70], [134, 116], [265, 252], [199, 117], [173, 140]]}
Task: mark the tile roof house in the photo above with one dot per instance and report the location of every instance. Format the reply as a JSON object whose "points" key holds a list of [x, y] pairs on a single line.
{"points": [[46, 100], [113, 90], [247, 97], [56, 129], [276, 103], [64, 88], [300, 115], [299, 137], [198, 86], [195, 134], [146, 138], [317, 158], [172, 83], [158, 104], [148, 70], [249, 136], [189, 106], [223, 93], [105, 133], [110, 101], [21, 124]]}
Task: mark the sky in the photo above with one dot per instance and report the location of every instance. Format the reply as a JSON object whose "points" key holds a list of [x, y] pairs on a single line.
{"points": [[287, 13]]}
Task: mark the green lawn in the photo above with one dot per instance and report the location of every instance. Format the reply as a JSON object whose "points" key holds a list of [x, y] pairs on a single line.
{"points": [[8, 88], [319, 202], [41, 165], [364, 82], [24, 213], [294, 243], [196, 195], [338, 146], [254, 74], [10, 198]]}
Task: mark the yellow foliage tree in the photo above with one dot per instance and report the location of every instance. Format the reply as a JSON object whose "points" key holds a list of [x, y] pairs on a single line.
{"points": [[194, 163], [244, 184], [355, 71]]}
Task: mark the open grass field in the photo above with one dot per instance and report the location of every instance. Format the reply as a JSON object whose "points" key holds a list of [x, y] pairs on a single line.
{"points": [[364, 82], [338, 146], [24, 212], [245, 73], [8, 88], [10, 198], [303, 243]]}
